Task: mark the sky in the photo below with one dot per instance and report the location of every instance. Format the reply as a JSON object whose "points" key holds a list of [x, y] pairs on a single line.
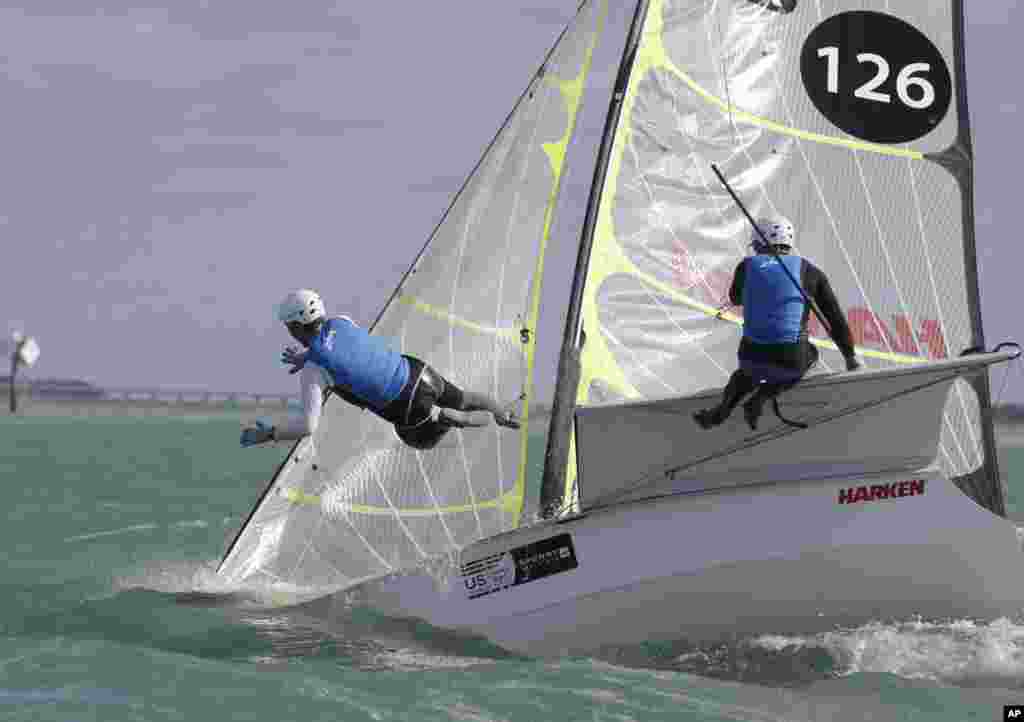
{"points": [[174, 167]]}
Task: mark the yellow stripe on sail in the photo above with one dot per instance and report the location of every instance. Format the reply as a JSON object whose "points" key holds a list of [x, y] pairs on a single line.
{"points": [[771, 125], [682, 298], [447, 316], [572, 93], [509, 502], [653, 54]]}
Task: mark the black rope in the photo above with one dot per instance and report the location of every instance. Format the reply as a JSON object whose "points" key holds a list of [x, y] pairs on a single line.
{"points": [[981, 349], [1006, 375], [1009, 344], [783, 419]]}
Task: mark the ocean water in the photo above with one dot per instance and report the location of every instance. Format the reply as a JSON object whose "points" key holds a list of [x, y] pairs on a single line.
{"points": [[113, 528]]}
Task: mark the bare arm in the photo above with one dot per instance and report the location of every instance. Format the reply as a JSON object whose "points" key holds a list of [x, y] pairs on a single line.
{"points": [[312, 385]]}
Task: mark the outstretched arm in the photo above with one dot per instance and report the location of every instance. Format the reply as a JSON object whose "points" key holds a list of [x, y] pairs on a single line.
{"points": [[295, 427], [311, 384]]}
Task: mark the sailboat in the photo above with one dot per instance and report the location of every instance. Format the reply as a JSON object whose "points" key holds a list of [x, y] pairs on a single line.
{"points": [[614, 519]]}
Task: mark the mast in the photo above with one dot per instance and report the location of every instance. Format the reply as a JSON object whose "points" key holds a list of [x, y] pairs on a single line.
{"points": [[563, 405], [14, 372], [984, 485]]}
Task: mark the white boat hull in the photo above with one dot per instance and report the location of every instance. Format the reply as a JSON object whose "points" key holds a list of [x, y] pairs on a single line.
{"points": [[779, 558]]}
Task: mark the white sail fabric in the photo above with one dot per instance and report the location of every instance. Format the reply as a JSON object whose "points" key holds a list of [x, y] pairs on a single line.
{"points": [[355, 502], [841, 115]]}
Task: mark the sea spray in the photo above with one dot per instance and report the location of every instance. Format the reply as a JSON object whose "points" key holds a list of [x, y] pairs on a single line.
{"points": [[962, 652]]}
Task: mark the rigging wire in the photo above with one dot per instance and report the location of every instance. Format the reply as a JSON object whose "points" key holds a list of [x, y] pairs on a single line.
{"points": [[725, 75], [1015, 364]]}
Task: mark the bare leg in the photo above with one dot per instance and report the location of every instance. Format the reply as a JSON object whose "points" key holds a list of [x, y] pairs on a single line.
{"points": [[453, 407], [461, 419], [474, 401]]}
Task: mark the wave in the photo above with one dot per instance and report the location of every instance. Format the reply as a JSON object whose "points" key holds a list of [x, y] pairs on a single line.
{"points": [[962, 653], [274, 630]]}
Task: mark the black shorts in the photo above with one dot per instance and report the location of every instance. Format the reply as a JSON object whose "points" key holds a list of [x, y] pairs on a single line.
{"points": [[797, 357], [425, 389]]}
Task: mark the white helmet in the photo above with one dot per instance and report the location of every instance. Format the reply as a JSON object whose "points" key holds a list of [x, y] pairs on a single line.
{"points": [[776, 229], [302, 306]]}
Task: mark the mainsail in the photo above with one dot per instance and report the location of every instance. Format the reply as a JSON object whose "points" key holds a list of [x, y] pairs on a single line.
{"points": [[849, 117], [353, 502]]}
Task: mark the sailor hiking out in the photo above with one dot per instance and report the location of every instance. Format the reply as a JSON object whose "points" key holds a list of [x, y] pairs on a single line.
{"points": [[775, 353], [362, 369]]}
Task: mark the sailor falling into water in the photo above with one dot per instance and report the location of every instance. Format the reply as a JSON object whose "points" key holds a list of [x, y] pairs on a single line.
{"points": [[363, 370], [774, 353]]}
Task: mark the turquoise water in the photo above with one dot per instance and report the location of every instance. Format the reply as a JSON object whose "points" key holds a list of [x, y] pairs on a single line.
{"points": [[113, 522]]}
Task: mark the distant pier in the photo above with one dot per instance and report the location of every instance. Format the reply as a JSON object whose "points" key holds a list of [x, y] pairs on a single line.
{"points": [[192, 396], [72, 391]]}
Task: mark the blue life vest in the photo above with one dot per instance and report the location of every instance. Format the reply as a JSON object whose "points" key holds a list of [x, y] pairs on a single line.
{"points": [[359, 362], [773, 306]]}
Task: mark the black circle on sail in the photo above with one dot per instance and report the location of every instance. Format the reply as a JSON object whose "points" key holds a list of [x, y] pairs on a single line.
{"points": [[876, 77]]}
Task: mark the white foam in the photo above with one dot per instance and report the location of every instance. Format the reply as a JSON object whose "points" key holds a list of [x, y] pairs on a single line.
{"points": [[110, 532], [201, 577], [175, 577], [960, 652], [148, 526], [412, 660]]}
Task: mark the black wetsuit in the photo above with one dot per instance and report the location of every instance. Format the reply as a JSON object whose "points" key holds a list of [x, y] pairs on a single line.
{"points": [[799, 356], [771, 368]]}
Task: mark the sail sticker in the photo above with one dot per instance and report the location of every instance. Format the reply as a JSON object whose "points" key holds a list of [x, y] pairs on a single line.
{"points": [[878, 492], [871, 331], [517, 566], [876, 77]]}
